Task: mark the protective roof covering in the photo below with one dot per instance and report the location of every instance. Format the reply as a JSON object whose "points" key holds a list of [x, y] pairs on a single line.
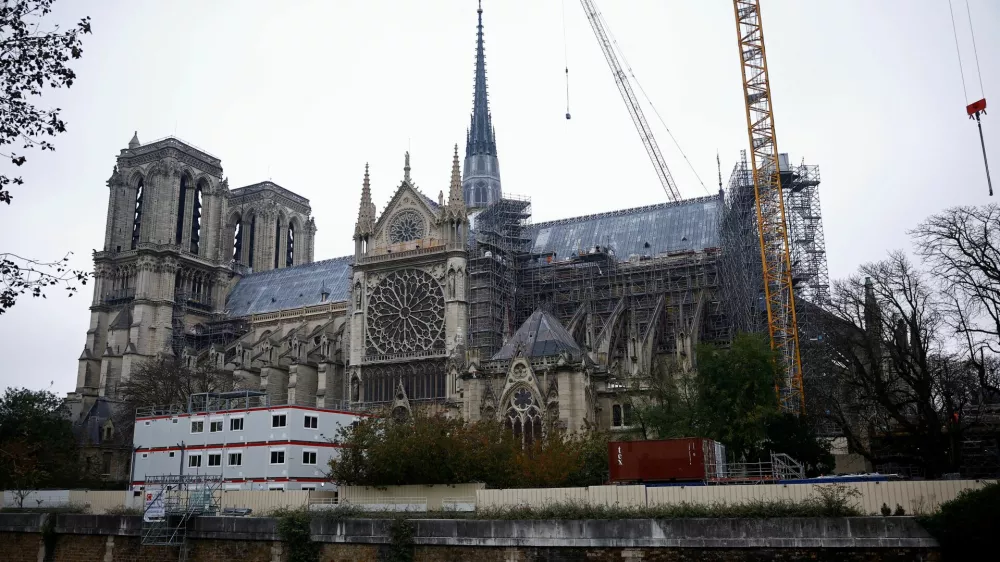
{"points": [[541, 335], [291, 287], [650, 230]]}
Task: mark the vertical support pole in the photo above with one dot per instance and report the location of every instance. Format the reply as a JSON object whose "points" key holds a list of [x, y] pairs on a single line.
{"points": [[982, 142]]}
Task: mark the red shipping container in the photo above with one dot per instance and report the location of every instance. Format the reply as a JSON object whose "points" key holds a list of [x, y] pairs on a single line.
{"points": [[664, 460]]}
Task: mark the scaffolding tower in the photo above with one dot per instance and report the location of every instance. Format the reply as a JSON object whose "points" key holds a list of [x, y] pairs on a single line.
{"points": [[743, 285], [500, 240], [172, 501], [810, 276], [740, 268]]}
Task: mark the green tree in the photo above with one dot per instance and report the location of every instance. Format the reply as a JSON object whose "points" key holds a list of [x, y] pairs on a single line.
{"points": [[736, 393], [37, 447], [33, 56]]}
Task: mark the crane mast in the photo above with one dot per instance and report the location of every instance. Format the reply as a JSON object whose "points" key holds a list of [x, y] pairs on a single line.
{"points": [[631, 102], [771, 223]]}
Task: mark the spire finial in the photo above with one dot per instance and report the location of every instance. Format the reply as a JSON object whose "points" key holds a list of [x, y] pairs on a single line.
{"points": [[134, 143], [406, 166], [456, 201], [366, 210]]}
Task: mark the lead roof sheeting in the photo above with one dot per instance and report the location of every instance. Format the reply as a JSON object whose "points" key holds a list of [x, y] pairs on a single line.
{"points": [[668, 227], [541, 335], [291, 287]]}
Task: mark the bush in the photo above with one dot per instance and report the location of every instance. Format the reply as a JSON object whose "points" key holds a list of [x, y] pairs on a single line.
{"points": [[124, 510], [755, 509], [294, 529], [837, 500], [968, 525], [438, 450]]}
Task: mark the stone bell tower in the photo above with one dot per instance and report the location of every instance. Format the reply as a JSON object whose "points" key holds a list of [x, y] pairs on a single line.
{"points": [[164, 262]]}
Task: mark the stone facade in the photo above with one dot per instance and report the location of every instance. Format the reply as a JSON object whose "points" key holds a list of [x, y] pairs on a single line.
{"points": [[431, 313], [170, 255]]}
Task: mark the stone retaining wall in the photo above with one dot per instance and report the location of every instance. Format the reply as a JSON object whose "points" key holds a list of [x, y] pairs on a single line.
{"points": [[86, 538]]}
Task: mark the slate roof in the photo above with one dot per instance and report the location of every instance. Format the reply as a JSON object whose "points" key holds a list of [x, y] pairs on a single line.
{"points": [[666, 227], [541, 335], [291, 287]]}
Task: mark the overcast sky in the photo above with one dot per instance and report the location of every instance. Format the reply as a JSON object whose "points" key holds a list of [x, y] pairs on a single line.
{"points": [[306, 92]]}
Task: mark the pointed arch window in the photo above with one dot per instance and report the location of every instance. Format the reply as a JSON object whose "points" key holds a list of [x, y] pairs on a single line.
{"points": [[196, 220], [277, 241], [181, 208], [238, 241], [290, 245], [137, 215], [523, 417], [253, 232]]}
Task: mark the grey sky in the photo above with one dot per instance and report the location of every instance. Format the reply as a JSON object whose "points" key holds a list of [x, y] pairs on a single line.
{"points": [[307, 92]]}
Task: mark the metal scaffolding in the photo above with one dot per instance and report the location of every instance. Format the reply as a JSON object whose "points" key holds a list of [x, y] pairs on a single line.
{"points": [[171, 501], [499, 241], [805, 232], [627, 312], [741, 271]]}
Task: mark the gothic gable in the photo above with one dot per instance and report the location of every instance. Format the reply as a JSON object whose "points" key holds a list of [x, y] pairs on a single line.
{"points": [[408, 220]]}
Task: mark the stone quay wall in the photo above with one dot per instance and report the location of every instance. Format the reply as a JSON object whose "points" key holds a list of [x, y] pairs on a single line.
{"points": [[107, 538]]}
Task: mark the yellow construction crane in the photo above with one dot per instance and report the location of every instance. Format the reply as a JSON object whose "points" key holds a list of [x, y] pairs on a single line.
{"points": [[771, 224]]}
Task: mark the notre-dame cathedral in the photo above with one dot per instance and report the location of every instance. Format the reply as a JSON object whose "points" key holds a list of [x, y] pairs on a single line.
{"points": [[454, 303]]}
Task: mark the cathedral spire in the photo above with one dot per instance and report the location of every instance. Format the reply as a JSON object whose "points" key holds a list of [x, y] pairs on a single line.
{"points": [[480, 140], [481, 179], [366, 210]]}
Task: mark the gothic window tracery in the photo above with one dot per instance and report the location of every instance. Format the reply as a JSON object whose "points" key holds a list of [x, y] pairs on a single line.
{"points": [[406, 314], [523, 416], [420, 381], [406, 226]]}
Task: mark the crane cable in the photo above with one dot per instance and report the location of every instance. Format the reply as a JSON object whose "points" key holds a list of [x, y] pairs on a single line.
{"points": [[565, 55], [977, 108], [628, 67], [972, 32]]}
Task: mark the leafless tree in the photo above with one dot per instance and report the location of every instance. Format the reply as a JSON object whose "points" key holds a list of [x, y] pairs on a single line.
{"points": [[166, 381], [962, 247], [890, 372]]}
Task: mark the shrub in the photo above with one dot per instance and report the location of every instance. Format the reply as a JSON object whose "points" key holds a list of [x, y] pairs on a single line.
{"points": [[124, 510], [294, 529], [838, 500], [439, 450], [968, 525]]}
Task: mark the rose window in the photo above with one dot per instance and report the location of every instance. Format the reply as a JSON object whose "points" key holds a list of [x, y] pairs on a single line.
{"points": [[406, 314], [407, 225]]}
